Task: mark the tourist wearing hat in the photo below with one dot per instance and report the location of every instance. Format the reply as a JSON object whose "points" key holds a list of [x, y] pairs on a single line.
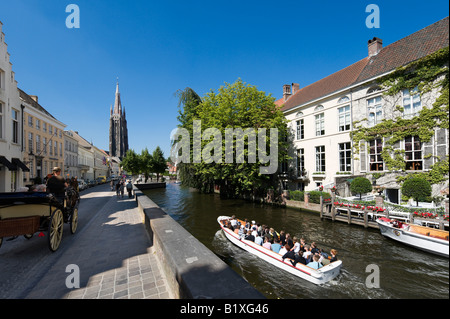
{"points": [[56, 184]]}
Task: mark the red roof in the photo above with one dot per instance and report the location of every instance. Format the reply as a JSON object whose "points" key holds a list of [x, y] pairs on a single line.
{"points": [[397, 54]]}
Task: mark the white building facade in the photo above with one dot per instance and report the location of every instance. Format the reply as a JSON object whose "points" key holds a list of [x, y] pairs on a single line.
{"points": [[11, 119], [323, 115]]}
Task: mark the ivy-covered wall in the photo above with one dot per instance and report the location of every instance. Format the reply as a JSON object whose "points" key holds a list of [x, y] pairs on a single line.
{"points": [[430, 75]]}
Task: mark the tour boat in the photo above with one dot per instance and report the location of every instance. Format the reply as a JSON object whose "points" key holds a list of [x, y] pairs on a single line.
{"points": [[316, 276], [424, 238]]}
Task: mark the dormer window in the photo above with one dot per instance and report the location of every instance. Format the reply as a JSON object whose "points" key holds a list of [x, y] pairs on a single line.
{"points": [[344, 99]]}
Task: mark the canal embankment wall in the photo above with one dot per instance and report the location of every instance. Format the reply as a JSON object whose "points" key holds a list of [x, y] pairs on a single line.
{"points": [[192, 270]]}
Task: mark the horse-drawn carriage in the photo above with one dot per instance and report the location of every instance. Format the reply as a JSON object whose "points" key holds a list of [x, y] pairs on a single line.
{"points": [[26, 213]]}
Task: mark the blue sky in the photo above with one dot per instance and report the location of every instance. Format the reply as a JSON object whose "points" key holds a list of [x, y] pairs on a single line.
{"points": [[159, 47]]}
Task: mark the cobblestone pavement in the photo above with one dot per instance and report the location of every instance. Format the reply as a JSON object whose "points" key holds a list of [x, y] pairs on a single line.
{"points": [[115, 259]]}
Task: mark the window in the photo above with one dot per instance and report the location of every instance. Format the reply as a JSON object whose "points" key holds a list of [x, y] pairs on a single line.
{"points": [[30, 142], [30, 121], [320, 124], [50, 130], [44, 146], [38, 144], [301, 162], [320, 158], [375, 111], [343, 99], [55, 150], [1, 120], [60, 149], [373, 89], [375, 158], [411, 102], [38, 124], [50, 147], [2, 77], [15, 126], [344, 118], [345, 157], [413, 153], [300, 129], [44, 127]]}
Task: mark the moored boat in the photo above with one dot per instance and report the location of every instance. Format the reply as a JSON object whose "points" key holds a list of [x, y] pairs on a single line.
{"points": [[316, 276], [425, 238]]}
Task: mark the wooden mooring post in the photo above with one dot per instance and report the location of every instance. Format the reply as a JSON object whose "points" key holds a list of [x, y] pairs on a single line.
{"points": [[349, 215], [321, 207], [366, 218]]}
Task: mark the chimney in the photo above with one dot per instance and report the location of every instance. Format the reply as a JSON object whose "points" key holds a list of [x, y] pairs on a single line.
{"points": [[375, 46], [286, 92], [35, 98], [295, 88]]}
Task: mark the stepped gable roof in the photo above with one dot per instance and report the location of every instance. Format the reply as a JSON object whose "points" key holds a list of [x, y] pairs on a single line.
{"points": [[409, 49]]}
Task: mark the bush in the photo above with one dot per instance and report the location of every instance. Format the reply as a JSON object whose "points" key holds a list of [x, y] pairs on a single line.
{"points": [[361, 185], [417, 188], [314, 196], [297, 195]]}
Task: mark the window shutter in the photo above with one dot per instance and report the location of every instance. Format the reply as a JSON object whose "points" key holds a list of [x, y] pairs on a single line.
{"points": [[362, 156], [428, 154], [441, 145]]}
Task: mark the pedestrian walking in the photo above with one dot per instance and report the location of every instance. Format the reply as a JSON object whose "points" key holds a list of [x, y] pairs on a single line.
{"points": [[129, 188], [118, 189], [122, 188]]}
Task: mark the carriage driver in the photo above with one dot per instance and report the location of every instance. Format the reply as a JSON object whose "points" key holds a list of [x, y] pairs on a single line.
{"points": [[56, 184]]}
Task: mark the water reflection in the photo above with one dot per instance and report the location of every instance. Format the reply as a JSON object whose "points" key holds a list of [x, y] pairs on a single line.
{"points": [[404, 272]]}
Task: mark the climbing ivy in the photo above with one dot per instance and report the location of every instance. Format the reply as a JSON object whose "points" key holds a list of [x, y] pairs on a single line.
{"points": [[428, 73]]}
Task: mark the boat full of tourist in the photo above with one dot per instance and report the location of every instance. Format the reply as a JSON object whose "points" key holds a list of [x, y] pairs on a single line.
{"points": [[319, 276], [425, 238]]}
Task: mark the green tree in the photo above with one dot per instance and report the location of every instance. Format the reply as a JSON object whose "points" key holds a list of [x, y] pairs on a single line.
{"points": [[417, 188], [132, 162], [361, 185], [146, 161], [234, 106], [159, 162]]}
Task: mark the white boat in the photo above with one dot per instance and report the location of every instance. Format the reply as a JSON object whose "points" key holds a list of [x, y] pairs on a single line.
{"points": [[425, 238], [316, 276]]}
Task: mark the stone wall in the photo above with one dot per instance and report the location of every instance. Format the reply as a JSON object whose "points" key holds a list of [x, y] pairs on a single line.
{"points": [[192, 270]]}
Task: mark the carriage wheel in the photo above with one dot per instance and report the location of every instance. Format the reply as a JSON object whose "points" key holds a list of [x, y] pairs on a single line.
{"points": [[55, 230], [73, 220]]}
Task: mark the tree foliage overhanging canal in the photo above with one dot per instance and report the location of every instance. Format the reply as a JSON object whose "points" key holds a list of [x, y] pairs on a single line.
{"points": [[233, 106]]}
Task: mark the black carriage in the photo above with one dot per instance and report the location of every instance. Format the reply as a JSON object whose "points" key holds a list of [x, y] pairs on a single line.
{"points": [[26, 213]]}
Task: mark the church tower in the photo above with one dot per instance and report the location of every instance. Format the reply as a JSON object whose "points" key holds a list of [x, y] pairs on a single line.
{"points": [[118, 132]]}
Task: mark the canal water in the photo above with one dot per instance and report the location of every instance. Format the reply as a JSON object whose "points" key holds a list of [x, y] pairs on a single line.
{"points": [[404, 272]]}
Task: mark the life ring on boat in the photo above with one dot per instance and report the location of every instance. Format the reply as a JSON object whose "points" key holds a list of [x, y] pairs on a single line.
{"points": [[396, 232]]}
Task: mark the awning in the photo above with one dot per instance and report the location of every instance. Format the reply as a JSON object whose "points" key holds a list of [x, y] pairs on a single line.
{"points": [[7, 163], [20, 164]]}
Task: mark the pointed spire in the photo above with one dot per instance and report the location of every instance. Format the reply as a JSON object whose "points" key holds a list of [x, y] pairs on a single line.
{"points": [[117, 103]]}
